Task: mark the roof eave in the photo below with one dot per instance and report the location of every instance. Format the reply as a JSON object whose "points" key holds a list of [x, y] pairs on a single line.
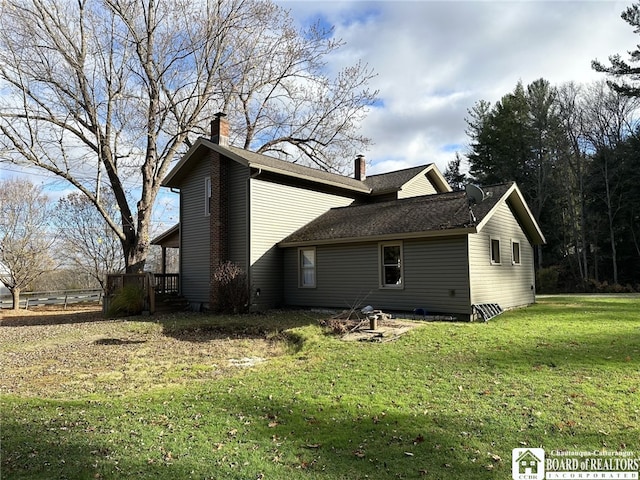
{"points": [[175, 173], [311, 178], [171, 179], [166, 234], [436, 176], [524, 215], [452, 232]]}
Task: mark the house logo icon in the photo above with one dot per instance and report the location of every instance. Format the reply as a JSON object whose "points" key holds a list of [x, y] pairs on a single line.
{"points": [[527, 464]]}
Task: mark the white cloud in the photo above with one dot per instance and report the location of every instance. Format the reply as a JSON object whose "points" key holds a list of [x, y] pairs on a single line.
{"points": [[435, 59]]}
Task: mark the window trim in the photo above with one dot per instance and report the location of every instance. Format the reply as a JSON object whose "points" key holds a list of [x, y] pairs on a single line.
{"points": [[513, 257], [381, 266], [207, 196], [491, 258], [302, 269]]}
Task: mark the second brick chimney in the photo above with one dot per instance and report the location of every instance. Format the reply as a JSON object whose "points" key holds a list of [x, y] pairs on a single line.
{"points": [[360, 170], [220, 129]]}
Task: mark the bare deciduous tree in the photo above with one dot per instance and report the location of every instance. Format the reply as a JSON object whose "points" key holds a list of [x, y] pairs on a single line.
{"points": [[573, 168], [25, 237], [610, 117], [110, 91], [90, 246]]}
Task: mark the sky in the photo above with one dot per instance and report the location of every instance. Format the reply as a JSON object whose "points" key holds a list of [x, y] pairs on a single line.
{"points": [[435, 59]]}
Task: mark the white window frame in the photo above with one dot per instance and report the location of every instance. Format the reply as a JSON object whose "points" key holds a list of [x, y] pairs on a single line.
{"points": [[302, 269], [491, 240], [381, 265], [207, 196], [513, 257]]}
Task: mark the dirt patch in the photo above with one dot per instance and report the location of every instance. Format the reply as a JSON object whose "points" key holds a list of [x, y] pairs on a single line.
{"points": [[74, 353], [386, 331], [355, 326]]}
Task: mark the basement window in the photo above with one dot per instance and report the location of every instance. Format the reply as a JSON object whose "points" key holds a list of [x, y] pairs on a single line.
{"points": [[307, 267], [391, 265], [515, 252], [495, 251]]}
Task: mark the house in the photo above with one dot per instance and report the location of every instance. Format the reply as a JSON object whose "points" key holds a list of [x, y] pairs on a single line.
{"points": [[399, 241]]}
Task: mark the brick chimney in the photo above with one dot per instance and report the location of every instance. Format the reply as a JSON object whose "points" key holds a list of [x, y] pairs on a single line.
{"points": [[360, 168], [220, 129], [218, 206]]}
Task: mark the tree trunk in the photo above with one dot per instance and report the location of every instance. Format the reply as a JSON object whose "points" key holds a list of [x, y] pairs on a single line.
{"points": [[610, 217], [135, 252], [614, 255], [634, 236], [583, 240], [136, 243], [15, 295], [538, 250]]}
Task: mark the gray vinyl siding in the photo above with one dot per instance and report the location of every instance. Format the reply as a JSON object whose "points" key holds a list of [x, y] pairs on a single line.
{"points": [[195, 238], [237, 214], [416, 187], [277, 211], [435, 277], [506, 284]]}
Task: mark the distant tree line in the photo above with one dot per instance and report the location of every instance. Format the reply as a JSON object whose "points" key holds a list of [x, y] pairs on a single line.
{"points": [[574, 151], [63, 245]]}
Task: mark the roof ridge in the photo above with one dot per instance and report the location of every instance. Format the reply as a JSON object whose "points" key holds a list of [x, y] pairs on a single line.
{"points": [[284, 166], [415, 167], [500, 184], [286, 162], [414, 199]]}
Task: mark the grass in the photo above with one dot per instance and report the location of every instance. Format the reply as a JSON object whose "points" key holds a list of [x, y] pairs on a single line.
{"points": [[78, 355], [445, 401]]}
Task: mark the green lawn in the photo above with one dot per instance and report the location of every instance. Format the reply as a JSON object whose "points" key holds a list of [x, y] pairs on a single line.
{"points": [[445, 401]]}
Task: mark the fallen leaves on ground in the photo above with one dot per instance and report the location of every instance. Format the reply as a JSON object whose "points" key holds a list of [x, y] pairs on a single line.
{"points": [[76, 352]]}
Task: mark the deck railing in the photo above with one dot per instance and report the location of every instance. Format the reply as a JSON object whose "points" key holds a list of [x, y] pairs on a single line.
{"points": [[167, 282], [148, 284]]}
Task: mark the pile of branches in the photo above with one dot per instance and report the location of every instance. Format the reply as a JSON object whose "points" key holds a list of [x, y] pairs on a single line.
{"points": [[344, 322], [350, 320]]}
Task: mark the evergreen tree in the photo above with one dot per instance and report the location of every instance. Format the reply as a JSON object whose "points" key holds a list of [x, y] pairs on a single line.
{"points": [[500, 149], [575, 153], [454, 176], [519, 140], [621, 69]]}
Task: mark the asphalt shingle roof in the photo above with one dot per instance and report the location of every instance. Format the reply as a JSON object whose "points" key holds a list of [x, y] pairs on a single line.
{"points": [[392, 181], [374, 184], [260, 160], [429, 213]]}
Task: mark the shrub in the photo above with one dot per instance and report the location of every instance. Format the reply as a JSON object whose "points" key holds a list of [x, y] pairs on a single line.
{"points": [[547, 280], [232, 289], [127, 300], [605, 287]]}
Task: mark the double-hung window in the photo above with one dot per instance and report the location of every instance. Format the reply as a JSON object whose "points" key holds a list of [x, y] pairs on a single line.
{"points": [[495, 250], [515, 252], [307, 267], [391, 269], [207, 196]]}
